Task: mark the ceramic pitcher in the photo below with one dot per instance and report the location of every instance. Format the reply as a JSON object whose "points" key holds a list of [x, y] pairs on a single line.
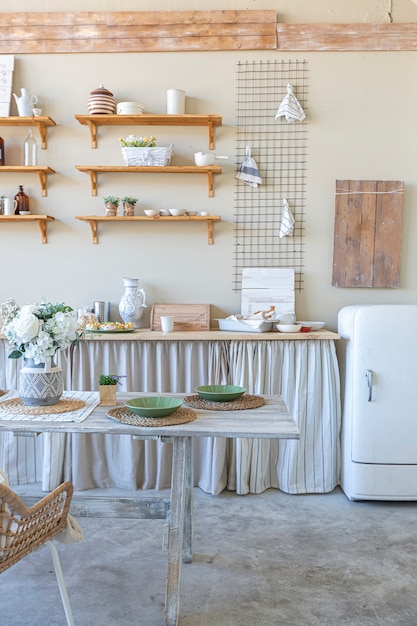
{"points": [[25, 103], [132, 302]]}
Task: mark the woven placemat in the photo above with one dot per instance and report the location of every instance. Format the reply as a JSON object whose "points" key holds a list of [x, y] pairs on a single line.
{"points": [[244, 402], [124, 415], [17, 407]]}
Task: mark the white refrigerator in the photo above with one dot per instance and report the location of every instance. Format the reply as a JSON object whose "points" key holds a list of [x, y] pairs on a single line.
{"points": [[378, 363]]}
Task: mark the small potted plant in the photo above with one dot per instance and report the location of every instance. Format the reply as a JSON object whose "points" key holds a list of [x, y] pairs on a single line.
{"points": [[107, 386], [111, 202], [129, 206]]}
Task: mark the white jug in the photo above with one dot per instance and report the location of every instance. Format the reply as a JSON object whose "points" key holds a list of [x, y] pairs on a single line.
{"points": [[132, 302], [25, 103]]}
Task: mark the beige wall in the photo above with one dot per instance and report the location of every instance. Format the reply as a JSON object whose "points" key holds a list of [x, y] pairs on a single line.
{"points": [[362, 124]]}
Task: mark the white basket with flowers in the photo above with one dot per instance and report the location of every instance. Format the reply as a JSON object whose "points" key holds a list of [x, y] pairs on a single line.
{"points": [[144, 151]]}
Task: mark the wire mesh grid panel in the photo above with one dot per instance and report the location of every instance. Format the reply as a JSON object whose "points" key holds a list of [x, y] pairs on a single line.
{"points": [[279, 150]]}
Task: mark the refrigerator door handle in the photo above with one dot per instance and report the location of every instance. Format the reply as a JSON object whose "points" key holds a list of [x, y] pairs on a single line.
{"points": [[369, 374]]}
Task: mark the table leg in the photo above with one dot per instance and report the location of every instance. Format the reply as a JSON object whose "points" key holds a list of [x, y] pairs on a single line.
{"points": [[187, 551], [180, 447]]}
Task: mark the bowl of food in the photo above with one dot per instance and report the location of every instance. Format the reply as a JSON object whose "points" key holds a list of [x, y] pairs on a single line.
{"points": [[220, 393], [151, 212], [177, 212], [153, 406], [288, 328]]}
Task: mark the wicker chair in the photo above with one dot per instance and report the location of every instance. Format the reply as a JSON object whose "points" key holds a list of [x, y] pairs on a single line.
{"points": [[23, 530]]}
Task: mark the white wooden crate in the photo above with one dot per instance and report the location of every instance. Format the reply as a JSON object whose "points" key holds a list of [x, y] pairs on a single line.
{"points": [[266, 287]]}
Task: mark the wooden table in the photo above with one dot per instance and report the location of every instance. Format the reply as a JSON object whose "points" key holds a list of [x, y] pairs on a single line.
{"points": [[269, 421]]}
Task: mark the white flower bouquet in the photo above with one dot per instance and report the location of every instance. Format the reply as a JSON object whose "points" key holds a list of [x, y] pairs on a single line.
{"points": [[38, 331]]}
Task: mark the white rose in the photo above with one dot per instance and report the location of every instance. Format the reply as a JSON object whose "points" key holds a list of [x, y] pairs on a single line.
{"points": [[26, 326]]}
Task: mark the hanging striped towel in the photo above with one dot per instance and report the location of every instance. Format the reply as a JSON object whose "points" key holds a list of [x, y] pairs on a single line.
{"points": [[248, 171], [287, 221], [290, 108]]}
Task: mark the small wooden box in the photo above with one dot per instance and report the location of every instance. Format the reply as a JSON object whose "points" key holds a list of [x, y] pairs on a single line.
{"points": [[186, 316], [107, 395]]}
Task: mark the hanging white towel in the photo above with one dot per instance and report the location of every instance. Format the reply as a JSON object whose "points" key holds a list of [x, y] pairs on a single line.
{"points": [[290, 108], [248, 171], [287, 221]]}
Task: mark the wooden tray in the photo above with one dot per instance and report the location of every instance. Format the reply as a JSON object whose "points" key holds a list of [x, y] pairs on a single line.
{"points": [[186, 316]]}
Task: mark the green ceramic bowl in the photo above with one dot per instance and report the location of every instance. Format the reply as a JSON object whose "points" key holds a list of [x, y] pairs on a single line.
{"points": [[154, 406], [220, 393]]}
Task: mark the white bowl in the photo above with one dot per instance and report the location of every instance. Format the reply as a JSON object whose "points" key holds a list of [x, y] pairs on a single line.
{"points": [[151, 212], [312, 325], [164, 212], [177, 212], [288, 328], [130, 108]]}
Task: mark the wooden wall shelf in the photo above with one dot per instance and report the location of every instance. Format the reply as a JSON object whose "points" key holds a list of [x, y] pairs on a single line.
{"points": [[94, 170], [40, 219], [41, 122], [94, 219], [42, 172], [92, 121]]}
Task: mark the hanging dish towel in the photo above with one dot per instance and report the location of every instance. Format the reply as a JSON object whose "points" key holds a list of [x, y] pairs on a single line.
{"points": [[290, 108], [248, 171], [287, 221]]}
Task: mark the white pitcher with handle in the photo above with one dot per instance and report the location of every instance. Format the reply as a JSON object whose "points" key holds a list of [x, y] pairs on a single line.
{"points": [[132, 301], [25, 103]]}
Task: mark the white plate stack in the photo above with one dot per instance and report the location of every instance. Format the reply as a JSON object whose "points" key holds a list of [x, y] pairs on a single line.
{"points": [[101, 102]]}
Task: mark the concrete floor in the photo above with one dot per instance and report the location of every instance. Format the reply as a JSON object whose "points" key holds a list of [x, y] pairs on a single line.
{"points": [[259, 560]]}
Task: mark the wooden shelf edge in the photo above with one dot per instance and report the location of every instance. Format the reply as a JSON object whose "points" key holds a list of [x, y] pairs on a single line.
{"points": [[40, 219], [149, 119], [93, 170], [94, 219], [41, 122]]}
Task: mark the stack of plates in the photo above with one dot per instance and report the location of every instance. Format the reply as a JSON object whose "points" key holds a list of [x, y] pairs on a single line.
{"points": [[101, 101]]}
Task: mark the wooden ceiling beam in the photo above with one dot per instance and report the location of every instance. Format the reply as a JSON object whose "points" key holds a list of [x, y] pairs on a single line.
{"points": [[347, 37], [124, 31]]}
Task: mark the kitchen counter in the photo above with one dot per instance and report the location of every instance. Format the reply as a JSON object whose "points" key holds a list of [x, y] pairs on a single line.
{"points": [[146, 334], [301, 367]]}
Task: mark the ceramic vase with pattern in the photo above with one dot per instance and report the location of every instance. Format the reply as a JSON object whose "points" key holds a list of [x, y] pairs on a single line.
{"points": [[38, 387]]}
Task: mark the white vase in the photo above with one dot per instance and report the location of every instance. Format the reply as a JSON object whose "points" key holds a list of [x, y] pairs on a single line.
{"points": [[38, 387], [132, 301]]}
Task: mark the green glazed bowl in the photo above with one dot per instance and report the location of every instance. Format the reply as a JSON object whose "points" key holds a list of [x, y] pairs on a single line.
{"points": [[220, 393], [154, 406]]}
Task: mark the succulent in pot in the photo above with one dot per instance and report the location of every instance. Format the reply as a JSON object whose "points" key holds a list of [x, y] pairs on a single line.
{"points": [[129, 205], [111, 202]]}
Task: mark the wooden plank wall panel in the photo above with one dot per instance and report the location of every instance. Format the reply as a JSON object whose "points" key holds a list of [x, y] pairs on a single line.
{"points": [[346, 37], [367, 233], [153, 31]]}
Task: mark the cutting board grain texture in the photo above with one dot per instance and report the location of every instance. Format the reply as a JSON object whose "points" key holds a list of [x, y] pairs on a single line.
{"points": [[367, 233], [186, 316]]}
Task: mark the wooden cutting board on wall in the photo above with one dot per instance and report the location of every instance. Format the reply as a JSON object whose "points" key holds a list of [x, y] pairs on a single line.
{"points": [[367, 233]]}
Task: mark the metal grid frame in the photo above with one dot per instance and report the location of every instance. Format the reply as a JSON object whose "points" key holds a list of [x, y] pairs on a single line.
{"points": [[280, 151]]}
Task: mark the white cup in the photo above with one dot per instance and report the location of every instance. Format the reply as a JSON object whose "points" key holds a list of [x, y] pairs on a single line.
{"points": [[175, 102], [10, 206], [167, 323], [37, 112]]}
